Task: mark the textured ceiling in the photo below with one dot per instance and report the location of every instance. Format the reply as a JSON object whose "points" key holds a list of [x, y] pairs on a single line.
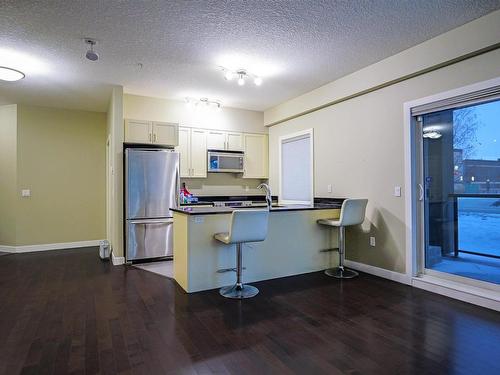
{"points": [[295, 45]]}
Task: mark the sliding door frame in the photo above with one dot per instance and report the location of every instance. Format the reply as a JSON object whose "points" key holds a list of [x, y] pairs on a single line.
{"points": [[414, 206]]}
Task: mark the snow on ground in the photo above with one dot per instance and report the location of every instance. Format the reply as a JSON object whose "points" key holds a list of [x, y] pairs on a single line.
{"points": [[479, 225]]}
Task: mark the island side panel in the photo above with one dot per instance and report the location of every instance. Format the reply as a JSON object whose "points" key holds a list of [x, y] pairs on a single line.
{"points": [[181, 243], [292, 247]]}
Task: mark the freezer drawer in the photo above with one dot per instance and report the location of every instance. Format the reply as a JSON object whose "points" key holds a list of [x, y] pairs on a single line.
{"points": [[149, 238]]}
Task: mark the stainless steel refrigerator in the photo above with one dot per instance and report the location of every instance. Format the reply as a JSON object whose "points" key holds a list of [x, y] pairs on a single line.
{"points": [[151, 190]]}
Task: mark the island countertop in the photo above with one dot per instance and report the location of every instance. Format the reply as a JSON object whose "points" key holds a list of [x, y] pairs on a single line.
{"points": [[277, 208]]}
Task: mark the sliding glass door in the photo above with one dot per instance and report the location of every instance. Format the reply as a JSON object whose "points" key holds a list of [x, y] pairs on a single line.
{"points": [[460, 191]]}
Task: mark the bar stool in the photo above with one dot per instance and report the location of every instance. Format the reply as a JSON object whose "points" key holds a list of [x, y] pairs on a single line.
{"points": [[246, 225], [351, 213]]}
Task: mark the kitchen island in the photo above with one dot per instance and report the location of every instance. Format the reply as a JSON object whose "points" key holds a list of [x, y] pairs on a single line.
{"points": [[293, 245]]}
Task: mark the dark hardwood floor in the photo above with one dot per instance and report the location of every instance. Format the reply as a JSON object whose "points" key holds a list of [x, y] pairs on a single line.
{"points": [[66, 312]]}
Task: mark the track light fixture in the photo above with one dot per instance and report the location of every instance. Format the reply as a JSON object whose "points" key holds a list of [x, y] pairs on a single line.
{"points": [[241, 75], [203, 103]]}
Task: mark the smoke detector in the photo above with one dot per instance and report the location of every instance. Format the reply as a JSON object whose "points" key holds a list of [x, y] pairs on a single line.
{"points": [[91, 54]]}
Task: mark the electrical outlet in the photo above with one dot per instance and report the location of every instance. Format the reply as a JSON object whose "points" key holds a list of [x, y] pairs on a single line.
{"points": [[329, 188], [397, 191], [26, 193], [198, 219], [372, 241]]}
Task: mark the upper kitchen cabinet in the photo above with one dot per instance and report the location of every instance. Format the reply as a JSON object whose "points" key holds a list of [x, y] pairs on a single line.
{"points": [[185, 151], [137, 131], [193, 152], [151, 132], [234, 141], [165, 133], [256, 156], [221, 140], [198, 153], [216, 140]]}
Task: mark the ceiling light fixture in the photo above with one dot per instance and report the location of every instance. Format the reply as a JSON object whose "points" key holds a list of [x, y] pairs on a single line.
{"points": [[242, 75], [203, 103], [10, 75], [91, 54]]}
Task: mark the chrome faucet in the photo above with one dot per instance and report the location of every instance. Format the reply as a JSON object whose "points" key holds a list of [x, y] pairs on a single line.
{"points": [[267, 189]]}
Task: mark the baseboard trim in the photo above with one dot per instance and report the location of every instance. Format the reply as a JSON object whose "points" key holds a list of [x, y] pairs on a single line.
{"points": [[471, 294], [49, 246], [380, 272], [7, 249], [117, 260]]}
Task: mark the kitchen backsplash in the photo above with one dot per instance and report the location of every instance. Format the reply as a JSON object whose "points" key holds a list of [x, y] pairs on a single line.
{"points": [[223, 184]]}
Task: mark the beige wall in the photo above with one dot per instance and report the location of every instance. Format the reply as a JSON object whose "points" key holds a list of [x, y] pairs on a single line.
{"points": [[156, 109], [8, 174], [60, 157], [359, 143]]}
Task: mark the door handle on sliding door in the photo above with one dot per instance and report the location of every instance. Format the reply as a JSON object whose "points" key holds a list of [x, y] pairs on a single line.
{"points": [[420, 192]]}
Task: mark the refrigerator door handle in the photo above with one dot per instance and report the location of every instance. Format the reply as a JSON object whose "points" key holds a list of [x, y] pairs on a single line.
{"points": [[177, 188], [151, 221]]}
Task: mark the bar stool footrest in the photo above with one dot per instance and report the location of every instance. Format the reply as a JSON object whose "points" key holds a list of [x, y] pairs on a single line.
{"points": [[223, 270], [329, 250]]}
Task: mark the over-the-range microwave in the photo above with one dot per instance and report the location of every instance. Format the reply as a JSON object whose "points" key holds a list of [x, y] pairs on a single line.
{"points": [[225, 161]]}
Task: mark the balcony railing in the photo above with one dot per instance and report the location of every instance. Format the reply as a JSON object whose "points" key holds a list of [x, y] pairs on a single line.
{"points": [[482, 212]]}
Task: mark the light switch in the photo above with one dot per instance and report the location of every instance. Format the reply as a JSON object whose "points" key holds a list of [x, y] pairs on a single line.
{"points": [[329, 187], [397, 191], [372, 241], [26, 193]]}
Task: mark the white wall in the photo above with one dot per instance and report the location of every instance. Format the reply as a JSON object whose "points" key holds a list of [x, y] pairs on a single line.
{"points": [[156, 109], [8, 174], [115, 134], [359, 143]]}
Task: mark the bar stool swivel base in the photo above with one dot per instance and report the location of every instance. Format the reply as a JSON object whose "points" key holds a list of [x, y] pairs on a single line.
{"points": [[341, 273], [239, 291]]}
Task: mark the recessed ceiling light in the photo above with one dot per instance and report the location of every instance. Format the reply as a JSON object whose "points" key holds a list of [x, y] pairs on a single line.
{"points": [[9, 74]]}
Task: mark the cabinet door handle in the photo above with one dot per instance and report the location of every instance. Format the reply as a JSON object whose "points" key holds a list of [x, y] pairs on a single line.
{"points": [[154, 137], [150, 138]]}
